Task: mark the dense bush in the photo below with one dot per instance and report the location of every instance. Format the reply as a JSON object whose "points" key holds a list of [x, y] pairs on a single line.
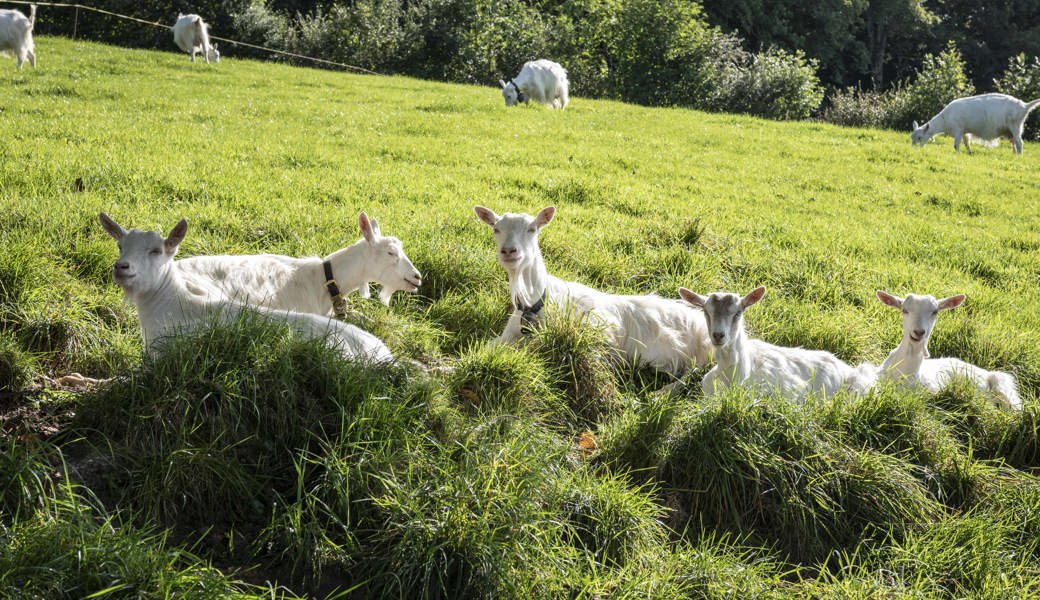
{"points": [[942, 78], [774, 84]]}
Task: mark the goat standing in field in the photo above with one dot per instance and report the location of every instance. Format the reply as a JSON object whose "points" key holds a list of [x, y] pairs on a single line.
{"points": [[987, 117], [909, 364], [740, 360], [191, 34], [165, 307], [540, 80], [657, 331], [16, 35], [312, 284]]}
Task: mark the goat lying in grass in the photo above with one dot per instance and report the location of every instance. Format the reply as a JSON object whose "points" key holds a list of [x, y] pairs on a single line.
{"points": [[909, 364], [302, 284], [791, 372], [987, 117], [657, 331], [166, 307]]}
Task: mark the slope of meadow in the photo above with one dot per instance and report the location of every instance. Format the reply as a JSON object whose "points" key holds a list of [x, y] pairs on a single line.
{"points": [[278, 463]]}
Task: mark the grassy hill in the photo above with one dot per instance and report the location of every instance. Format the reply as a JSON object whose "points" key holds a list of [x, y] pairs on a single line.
{"points": [[274, 461]]}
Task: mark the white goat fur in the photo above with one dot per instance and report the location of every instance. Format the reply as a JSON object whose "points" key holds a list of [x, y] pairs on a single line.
{"points": [[657, 331], [288, 283], [16, 35], [165, 307], [740, 360], [909, 364], [987, 117], [191, 34], [540, 80]]}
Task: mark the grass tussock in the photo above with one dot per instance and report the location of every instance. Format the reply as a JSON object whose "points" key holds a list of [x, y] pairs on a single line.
{"points": [[206, 429], [582, 364]]}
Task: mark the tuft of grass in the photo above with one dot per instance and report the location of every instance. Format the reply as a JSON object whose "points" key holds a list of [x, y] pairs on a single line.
{"points": [[743, 465], [72, 553], [26, 482], [208, 428], [581, 361], [495, 380], [17, 369]]}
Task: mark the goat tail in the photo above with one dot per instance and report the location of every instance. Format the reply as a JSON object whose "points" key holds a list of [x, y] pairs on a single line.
{"points": [[32, 16], [1003, 385], [1031, 105]]}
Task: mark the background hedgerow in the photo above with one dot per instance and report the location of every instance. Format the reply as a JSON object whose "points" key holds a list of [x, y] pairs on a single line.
{"points": [[544, 470]]}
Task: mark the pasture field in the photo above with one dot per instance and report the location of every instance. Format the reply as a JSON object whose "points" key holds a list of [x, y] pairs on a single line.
{"points": [[245, 464]]}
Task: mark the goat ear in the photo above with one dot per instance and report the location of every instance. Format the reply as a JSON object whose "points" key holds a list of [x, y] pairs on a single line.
{"points": [[951, 302], [368, 229], [692, 297], [889, 299], [926, 127], [754, 296], [486, 215], [916, 126], [502, 83], [545, 216], [173, 241], [375, 226], [113, 228]]}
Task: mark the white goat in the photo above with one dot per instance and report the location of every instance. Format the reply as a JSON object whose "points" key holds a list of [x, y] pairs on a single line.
{"points": [[987, 117], [791, 372], [165, 306], [650, 329], [16, 34], [311, 284], [909, 363], [540, 80], [191, 34]]}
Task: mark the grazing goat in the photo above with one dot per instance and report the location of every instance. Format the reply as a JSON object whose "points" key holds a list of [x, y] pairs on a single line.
{"points": [[791, 372], [166, 307], [191, 34], [649, 329], [987, 117], [312, 284], [540, 80], [16, 35], [909, 363]]}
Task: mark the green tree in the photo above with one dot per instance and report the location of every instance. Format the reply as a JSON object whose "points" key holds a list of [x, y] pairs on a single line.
{"points": [[885, 20], [825, 30]]}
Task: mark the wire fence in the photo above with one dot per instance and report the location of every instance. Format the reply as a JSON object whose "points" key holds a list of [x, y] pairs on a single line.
{"points": [[79, 7]]}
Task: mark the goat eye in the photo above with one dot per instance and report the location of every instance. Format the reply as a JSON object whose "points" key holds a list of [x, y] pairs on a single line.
{"points": [[530, 230], [155, 252], [497, 230], [935, 312], [906, 312]]}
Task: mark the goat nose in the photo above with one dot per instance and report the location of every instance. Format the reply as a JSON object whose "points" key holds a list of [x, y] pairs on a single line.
{"points": [[919, 333], [122, 265], [508, 251], [718, 335]]}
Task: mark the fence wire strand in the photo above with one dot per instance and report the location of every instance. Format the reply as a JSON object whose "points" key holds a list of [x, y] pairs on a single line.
{"points": [[212, 37]]}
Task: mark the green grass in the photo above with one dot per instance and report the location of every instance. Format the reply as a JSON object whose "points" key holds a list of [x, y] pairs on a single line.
{"points": [[244, 463]]}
